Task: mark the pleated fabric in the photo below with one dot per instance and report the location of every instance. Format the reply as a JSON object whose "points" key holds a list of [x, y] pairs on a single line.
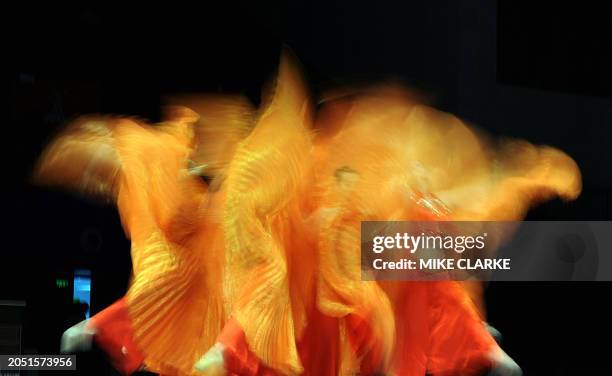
{"points": [[381, 155], [174, 302], [265, 182], [174, 299]]}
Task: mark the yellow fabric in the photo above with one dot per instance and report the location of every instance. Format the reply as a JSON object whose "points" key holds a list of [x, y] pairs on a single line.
{"points": [[264, 183], [175, 286], [380, 155]]}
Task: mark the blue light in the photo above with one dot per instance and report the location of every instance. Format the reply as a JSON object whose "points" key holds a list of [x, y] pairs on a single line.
{"points": [[82, 287]]}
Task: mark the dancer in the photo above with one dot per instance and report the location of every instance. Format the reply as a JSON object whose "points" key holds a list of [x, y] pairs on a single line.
{"points": [[384, 156], [166, 212]]}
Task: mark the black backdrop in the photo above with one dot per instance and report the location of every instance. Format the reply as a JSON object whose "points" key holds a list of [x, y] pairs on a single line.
{"points": [[515, 68]]}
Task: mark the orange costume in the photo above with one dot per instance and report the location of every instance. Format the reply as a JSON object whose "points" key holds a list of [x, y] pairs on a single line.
{"points": [[383, 156], [262, 265]]}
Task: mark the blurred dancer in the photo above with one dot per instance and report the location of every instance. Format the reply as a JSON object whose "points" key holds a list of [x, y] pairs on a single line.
{"points": [[381, 155], [144, 170]]}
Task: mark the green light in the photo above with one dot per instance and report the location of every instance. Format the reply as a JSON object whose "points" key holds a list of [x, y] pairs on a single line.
{"points": [[61, 283]]}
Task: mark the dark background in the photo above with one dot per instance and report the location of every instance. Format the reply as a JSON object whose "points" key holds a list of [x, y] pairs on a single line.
{"points": [[535, 70]]}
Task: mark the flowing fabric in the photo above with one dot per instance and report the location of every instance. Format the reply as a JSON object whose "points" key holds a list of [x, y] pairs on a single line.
{"points": [[266, 259], [383, 156], [115, 335], [176, 274]]}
